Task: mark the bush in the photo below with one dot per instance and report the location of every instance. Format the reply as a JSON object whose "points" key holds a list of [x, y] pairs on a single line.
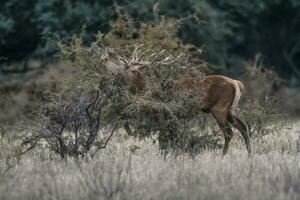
{"points": [[74, 125], [159, 111]]}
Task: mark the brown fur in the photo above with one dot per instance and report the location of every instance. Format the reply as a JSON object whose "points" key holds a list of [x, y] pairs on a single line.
{"points": [[136, 81], [219, 93]]}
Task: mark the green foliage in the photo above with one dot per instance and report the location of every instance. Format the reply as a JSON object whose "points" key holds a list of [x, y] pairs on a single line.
{"points": [[18, 32], [229, 31], [68, 17], [154, 35], [24, 24], [267, 27]]}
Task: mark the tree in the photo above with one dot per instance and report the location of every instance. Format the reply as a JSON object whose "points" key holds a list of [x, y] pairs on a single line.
{"points": [[267, 27]]}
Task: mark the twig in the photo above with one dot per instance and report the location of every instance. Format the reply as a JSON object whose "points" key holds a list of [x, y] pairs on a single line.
{"points": [[106, 142]]}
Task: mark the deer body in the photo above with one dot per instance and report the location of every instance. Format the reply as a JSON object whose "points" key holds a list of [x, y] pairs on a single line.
{"points": [[220, 97], [216, 90]]}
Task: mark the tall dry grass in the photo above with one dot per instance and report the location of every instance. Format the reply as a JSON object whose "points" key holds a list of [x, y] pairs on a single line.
{"points": [[119, 172]]}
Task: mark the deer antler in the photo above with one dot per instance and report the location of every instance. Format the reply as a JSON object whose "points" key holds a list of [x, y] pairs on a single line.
{"points": [[137, 54], [117, 63]]}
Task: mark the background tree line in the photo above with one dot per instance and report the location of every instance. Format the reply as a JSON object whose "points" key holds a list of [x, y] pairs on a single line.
{"points": [[230, 32]]}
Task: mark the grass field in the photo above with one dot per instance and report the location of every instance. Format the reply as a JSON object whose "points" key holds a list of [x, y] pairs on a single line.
{"points": [[273, 172]]}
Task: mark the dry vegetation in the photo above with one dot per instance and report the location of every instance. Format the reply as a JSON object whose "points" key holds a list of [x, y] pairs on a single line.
{"points": [[122, 171], [73, 145]]}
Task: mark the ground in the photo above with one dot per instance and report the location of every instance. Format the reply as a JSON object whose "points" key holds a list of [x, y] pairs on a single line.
{"points": [[273, 172]]}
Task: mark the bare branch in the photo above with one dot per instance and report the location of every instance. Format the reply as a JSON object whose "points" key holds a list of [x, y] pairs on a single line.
{"points": [[106, 142]]}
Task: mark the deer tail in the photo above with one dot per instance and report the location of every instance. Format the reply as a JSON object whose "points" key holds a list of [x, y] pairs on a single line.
{"points": [[241, 85], [238, 88]]}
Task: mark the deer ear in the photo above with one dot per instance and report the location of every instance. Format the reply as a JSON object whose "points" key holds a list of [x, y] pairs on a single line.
{"points": [[125, 62]]}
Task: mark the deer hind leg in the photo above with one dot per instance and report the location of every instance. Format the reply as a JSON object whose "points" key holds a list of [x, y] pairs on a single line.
{"points": [[243, 129], [221, 119], [227, 135]]}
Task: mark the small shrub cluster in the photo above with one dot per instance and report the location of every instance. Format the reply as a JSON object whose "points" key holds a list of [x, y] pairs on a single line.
{"points": [[71, 127], [75, 125], [161, 111]]}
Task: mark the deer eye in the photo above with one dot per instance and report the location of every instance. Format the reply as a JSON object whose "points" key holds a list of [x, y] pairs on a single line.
{"points": [[104, 58], [136, 72]]}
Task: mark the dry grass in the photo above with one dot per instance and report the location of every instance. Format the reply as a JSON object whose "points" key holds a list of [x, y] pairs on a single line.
{"points": [[118, 173]]}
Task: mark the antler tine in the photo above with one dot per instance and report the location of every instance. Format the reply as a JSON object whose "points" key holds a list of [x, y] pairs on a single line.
{"points": [[151, 56], [143, 54], [157, 55], [135, 53], [178, 57], [170, 59], [136, 62]]}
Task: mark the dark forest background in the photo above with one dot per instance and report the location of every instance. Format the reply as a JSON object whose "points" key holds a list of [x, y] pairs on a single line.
{"points": [[230, 32]]}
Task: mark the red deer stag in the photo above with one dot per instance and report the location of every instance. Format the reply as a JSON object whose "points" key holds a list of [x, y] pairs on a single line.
{"points": [[220, 94]]}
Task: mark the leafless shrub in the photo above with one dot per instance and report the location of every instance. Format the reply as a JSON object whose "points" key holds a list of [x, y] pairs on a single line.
{"points": [[74, 126]]}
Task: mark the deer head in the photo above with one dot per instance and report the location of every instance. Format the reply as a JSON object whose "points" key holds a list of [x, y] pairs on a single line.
{"points": [[113, 61], [131, 68]]}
